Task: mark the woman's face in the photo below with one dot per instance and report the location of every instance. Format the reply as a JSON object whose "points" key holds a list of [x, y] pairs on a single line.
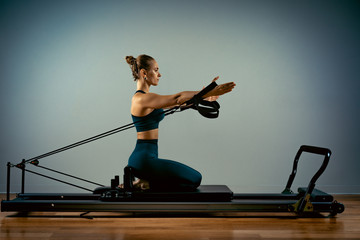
{"points": [[153, 75]]}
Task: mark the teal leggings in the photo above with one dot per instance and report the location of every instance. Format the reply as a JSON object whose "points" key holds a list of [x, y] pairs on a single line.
{"points": [[162, 174]]}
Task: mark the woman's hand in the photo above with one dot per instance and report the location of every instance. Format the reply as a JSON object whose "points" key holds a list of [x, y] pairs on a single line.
{"points": [[212, 98], [219, 90]]}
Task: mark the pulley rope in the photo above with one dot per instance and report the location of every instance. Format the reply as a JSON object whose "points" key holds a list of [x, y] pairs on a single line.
{"points": [[94, 138]]}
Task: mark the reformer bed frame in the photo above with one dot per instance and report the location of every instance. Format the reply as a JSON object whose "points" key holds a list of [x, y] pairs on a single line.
{"points": [[206, 199]]}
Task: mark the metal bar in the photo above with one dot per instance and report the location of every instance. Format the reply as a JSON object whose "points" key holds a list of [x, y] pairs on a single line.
{"points": [[91, 139], [266, 196], [59, 196], [157, 207], [310, 149], [88, 140], [23, 176], [8, 182], [42, 175], [68, 175]]}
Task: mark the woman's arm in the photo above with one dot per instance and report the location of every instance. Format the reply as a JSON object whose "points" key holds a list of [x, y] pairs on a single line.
{"points": [[156, 101]]}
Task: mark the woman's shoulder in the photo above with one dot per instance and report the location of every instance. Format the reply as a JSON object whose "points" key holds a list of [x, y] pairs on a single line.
{"points": [[139, 104], [141, 96]]}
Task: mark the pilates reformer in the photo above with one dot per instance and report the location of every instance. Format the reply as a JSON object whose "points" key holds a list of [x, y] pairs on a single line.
{"points": [[307, 201]]}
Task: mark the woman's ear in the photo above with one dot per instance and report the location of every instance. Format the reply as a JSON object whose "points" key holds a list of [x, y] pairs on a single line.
{"points": [[143, 73]]}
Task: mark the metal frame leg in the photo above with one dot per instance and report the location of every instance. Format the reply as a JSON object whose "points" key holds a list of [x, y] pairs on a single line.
{"points": [[8, 182]]}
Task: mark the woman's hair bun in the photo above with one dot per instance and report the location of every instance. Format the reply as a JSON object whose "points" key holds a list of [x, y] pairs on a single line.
{"points": [[136, 64], [133, 65], [130, 60]]}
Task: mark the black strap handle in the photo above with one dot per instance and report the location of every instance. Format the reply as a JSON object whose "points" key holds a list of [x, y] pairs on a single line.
{"points": [[205, 108], [208, 109], [207, 89]]}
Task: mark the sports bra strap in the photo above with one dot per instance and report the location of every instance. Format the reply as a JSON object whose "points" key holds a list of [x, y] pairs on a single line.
{"points": [[141, 91]]}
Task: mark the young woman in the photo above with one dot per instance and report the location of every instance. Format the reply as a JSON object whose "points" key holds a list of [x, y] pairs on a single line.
{"points": [[152, 171]]}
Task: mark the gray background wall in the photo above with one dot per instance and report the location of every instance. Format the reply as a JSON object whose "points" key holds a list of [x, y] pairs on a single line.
{"points": [[295, 63]]}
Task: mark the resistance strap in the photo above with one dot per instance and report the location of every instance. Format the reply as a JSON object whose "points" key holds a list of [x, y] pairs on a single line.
{"points": [[205, 108]]}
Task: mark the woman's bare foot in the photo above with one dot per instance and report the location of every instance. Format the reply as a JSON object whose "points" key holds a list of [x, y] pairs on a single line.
{"points": [[139, 184]]}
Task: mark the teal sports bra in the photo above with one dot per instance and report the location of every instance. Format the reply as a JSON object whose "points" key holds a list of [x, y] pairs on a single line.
{"points": [[150, 121]]}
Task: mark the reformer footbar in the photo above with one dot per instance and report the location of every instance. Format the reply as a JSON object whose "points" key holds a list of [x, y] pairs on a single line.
{"points": [[205, 199]]}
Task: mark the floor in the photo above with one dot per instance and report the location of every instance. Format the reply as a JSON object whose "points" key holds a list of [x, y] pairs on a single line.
{"points": [[220, 226]]}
